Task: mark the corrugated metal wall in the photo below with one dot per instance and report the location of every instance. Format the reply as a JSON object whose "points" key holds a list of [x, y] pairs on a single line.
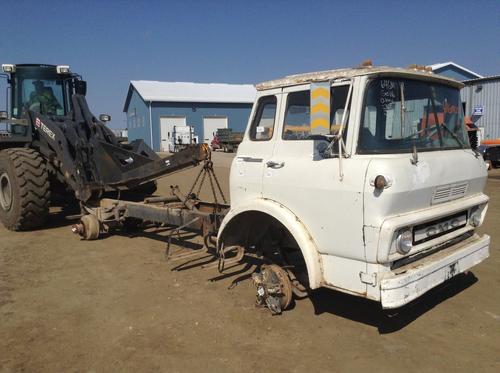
{"points": [[486, 94]]}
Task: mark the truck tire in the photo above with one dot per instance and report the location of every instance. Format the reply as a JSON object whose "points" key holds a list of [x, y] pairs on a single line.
{"points": [[24, 189]]}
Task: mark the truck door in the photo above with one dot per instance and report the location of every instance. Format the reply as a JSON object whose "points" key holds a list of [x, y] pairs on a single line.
{"points": [[257, 147], [310, 185]]}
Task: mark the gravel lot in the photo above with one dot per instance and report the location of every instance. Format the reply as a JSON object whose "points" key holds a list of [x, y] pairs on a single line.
{"points": [[115, 305]]}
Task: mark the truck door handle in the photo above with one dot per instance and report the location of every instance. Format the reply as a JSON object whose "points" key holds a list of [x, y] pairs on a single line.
{"points": [[250, 159], [272, 164]]}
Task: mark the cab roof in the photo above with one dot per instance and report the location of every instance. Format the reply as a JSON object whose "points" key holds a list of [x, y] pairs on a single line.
{"points": [[340, 74]]}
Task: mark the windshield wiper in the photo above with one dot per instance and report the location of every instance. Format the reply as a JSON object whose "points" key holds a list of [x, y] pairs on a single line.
{"points": [[426, 130], [460, 142], [423, 130]]}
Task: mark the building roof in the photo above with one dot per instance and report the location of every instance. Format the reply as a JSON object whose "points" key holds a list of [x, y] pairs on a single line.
{"points": [[483, 79], [439, 66], [192, 92], [340, 74]]}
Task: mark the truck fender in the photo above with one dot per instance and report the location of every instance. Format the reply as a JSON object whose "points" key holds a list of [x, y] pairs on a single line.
{"points": [[291, 222]]}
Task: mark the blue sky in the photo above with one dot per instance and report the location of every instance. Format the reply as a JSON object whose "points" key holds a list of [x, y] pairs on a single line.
{"points": [[113, 42]]}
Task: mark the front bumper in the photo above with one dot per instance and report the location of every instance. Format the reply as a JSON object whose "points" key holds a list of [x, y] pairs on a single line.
{"points": [[408, 282]]}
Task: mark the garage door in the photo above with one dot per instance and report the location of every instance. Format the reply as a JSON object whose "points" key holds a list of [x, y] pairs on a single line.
{"points": [[167, 124], [210, 126]]}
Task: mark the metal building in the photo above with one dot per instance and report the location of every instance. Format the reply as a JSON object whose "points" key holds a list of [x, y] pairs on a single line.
{"points": [[454, 70], [482, 103], [154, 108], [480, 97]]}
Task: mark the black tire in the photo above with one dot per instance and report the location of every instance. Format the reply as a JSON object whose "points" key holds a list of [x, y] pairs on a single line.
{"points": [[24, 189]]}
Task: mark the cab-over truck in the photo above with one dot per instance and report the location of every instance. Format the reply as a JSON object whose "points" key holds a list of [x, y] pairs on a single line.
{"points": [[369, 173]]}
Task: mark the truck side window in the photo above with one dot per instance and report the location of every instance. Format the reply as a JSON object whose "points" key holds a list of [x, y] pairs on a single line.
{"points": [[296, 126], [263, 122], [338, 97], [297, 117]]}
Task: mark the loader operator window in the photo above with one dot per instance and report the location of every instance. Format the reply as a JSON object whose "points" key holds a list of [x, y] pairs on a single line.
{"points": [[43, 96]]}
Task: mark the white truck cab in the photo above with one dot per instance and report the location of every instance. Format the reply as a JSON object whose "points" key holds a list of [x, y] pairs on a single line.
{"points": [[368, 174], [180, 138]]}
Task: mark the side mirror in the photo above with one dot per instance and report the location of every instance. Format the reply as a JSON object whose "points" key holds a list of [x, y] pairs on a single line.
{"points": [[4, 115], [81, 87], [105, 118]]}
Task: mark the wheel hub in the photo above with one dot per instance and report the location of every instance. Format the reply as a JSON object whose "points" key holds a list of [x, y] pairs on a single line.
{"points": [[5, 192], [274, 289]]}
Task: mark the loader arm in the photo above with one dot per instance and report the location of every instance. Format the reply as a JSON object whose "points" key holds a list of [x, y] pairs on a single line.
{"points": [[91, 160]]}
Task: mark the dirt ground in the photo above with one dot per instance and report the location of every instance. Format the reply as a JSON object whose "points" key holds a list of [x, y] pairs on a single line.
{"points": [[115, 305]]}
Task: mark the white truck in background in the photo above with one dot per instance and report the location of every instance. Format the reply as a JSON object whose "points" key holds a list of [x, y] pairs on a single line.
{"points": [[180, 138]]}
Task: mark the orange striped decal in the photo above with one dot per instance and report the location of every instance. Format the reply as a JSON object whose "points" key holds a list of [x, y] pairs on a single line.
{"points": [[320, 92], [320, 107], [319, 122]]}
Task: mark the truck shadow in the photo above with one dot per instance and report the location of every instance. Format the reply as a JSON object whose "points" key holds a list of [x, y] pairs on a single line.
{"points": [[371, 313]]}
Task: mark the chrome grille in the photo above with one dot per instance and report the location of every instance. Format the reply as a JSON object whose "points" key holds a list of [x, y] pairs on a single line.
{"points": [[449, 192], [435, 228]]}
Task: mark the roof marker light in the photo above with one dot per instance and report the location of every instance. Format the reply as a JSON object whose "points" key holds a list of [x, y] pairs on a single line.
{"points": [[8, 68], [62, 69]]}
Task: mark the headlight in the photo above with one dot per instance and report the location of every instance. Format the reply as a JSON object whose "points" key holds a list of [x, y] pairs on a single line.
{"points": [[475, 217], [105, 118], [404, 242]]}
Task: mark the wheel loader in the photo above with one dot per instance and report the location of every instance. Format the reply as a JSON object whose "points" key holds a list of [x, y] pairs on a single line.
{"points": [[51, 142]]}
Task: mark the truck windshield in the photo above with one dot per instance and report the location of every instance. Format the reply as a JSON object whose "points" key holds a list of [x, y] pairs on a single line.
{"points": [[402, 114]]}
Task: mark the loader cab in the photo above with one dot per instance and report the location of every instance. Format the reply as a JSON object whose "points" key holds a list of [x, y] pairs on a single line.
{"points": [[46, 89]]}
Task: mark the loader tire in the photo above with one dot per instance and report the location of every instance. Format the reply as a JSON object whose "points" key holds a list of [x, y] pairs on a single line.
{"points": [[24, 189]]}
